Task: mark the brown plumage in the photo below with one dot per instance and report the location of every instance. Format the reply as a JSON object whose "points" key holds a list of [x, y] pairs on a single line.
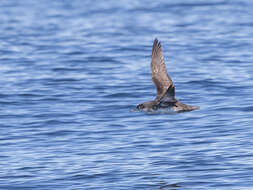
{"points": [[160, 75], [165, 89]]}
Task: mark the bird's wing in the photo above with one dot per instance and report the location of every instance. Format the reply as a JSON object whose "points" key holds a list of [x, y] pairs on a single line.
{"points": [[165, 90]]}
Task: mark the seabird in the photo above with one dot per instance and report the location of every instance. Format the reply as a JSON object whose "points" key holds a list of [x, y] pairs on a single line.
{"points": [[165, 89]]}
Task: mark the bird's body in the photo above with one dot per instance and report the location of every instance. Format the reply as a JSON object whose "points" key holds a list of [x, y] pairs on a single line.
{"points": [[165, 89]]}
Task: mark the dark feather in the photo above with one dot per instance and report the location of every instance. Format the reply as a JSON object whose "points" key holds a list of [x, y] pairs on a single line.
{"points": [[165, 90]]}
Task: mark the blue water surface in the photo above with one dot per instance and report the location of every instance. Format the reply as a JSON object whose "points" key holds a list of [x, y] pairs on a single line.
{"points": [[71, 71]]}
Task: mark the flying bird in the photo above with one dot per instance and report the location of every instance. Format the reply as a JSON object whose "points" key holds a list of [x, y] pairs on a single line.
{"points": [[165, 89]]}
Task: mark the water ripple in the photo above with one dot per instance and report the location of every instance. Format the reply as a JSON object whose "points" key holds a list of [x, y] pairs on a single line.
{"points": [[71, 71]]}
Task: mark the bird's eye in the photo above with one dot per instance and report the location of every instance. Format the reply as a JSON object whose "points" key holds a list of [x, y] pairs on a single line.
{"points": [[140, 106]]}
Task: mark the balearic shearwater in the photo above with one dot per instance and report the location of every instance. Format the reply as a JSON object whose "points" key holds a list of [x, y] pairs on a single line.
{"points": [[165, 89]]}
